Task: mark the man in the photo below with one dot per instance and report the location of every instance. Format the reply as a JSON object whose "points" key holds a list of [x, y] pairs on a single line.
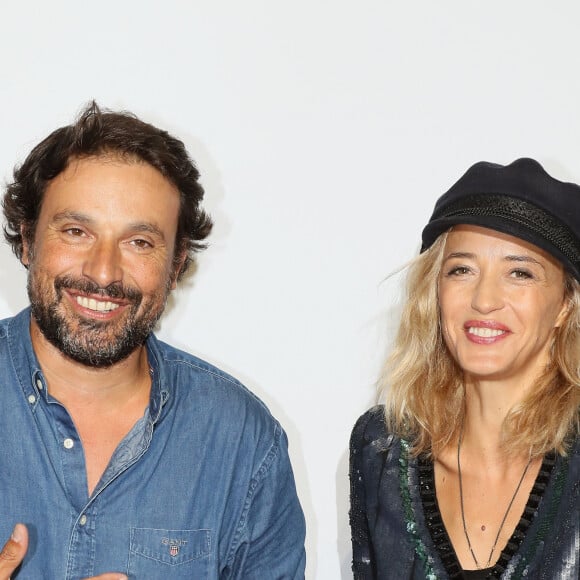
{"points": [[122, 455]]}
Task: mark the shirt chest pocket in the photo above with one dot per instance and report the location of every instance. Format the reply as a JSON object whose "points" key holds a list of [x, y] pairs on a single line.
{"points": [[161, 554]]}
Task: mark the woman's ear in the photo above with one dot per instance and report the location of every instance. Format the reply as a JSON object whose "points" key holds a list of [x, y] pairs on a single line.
{"points": [[563, 314]]}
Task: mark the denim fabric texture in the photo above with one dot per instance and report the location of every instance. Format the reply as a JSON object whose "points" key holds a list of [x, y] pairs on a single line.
{"points": [[201, 488]]}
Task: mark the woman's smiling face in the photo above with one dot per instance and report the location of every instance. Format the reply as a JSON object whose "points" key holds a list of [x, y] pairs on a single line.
{"points": [[500, 300]]}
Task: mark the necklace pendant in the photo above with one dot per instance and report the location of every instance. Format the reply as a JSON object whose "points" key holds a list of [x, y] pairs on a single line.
{"points": [[483, 528]]}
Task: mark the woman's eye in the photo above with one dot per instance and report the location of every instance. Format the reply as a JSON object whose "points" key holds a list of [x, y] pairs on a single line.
{"points": [[521, 274], [458, 271]]}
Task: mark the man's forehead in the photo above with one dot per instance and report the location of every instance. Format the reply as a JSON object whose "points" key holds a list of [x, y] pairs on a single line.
{"points": [[104, 158], [110, 165], [97, 184]]}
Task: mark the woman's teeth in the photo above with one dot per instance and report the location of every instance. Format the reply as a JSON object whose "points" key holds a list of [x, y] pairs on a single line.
{"points": [[484, 332]]}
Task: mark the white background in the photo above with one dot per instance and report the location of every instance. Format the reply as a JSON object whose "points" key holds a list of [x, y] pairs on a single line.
{"points": [[324, 132]]}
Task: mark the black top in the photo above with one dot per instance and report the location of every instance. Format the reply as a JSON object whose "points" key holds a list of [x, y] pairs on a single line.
{"points": [[477, 574], [439, 533], [391, 536]]}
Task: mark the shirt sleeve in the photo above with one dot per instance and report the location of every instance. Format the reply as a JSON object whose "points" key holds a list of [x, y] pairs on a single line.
{"points": [[271, 533]]}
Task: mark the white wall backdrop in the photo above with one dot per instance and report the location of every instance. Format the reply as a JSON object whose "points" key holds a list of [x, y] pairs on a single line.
{"points": [[324, 131]]}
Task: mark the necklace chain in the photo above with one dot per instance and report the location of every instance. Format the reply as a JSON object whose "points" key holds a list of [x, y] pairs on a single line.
{"points": [[505, 515]]}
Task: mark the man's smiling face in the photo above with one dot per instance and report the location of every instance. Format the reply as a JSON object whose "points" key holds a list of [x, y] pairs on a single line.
{"points": [[101, 263]]}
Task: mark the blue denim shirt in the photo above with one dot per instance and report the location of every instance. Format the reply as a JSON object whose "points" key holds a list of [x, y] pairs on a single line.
{"points": [[201, 488]]}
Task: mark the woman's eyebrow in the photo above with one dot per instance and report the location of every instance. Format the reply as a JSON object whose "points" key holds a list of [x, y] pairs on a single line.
{"points": [[464, 255], [522, 258]]}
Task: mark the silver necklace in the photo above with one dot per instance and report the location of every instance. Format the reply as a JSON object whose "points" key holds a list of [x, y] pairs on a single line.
{"points": [[507, 511]]}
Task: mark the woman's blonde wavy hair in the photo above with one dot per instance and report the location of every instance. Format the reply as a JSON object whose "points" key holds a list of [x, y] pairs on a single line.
{"points": [[422, 386]]}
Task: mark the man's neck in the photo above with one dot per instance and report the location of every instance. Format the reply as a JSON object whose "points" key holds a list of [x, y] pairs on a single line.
{"points": [[104, 404], [73, 383]]}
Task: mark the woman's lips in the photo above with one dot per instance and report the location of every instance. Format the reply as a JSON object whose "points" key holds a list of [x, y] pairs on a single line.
{"points": [[485, 331]]}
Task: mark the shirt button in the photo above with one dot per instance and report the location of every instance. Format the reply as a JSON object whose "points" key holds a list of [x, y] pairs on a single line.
{"points": [[68, 443], [39, 384], [31, 399], [83, 520]]}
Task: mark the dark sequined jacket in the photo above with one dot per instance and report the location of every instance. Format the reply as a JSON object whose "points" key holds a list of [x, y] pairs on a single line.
{"points": [[390, 536]]}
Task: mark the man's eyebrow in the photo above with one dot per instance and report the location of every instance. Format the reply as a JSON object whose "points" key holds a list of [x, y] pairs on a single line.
{"points": [[72, 216], [136, 227], [146, 227]]}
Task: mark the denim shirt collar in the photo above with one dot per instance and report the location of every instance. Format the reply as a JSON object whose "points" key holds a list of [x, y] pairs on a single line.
{"points": [[160, 385], [31, 377]]}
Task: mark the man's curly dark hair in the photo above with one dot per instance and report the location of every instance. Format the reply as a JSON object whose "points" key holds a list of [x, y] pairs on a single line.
{"points": [[103, 132]]}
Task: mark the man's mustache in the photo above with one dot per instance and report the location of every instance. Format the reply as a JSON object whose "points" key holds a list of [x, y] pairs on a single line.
{"points": [[113, 290]]}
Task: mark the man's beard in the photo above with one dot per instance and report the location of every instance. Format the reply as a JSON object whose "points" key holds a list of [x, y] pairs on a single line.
{"points": [[94, 343]]}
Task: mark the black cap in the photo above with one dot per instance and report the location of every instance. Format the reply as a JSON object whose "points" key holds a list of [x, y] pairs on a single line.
{"points": [[519, 199]]}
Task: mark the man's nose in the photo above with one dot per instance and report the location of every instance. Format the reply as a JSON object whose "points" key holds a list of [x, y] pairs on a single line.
{"points": [[103, 263]]}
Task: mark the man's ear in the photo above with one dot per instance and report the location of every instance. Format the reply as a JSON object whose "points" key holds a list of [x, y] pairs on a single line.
{"points": [[178, 263], [26, 250]]}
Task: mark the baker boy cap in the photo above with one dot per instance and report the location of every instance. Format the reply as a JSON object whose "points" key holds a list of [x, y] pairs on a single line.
{"points": [[519, 199]]}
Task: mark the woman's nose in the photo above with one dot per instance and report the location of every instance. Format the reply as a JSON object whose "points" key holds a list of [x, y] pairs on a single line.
{"points": [[487, 294]]}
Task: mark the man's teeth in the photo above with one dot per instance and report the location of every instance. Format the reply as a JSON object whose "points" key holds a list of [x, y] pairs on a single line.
{"points": [[97, 305], [485, 332]]}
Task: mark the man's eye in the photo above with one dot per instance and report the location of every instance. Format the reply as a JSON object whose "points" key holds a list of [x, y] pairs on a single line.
{"points": [[74, 232], [142, 244]]}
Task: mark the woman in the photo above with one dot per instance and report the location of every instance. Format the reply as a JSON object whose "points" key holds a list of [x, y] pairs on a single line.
{"points": [[471, 468]]}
